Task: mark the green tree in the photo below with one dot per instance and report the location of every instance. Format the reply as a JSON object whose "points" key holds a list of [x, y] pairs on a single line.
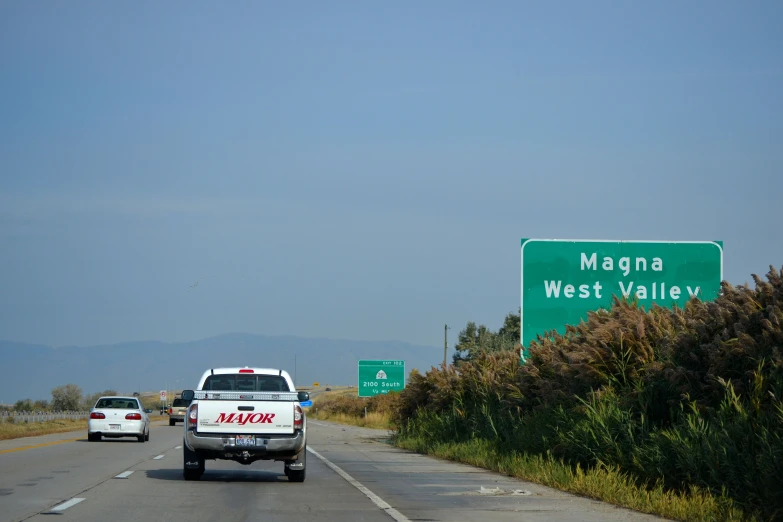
{"points": [[41, 405], [473, 340], [90, 400], [23, 405], [66, 397]]}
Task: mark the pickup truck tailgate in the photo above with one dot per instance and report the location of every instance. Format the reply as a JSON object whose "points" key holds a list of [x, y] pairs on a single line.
{"points": [[251, 417]]}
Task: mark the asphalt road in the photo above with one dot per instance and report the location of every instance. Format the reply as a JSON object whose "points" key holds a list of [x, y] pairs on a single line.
{"points": [[351, 476]]}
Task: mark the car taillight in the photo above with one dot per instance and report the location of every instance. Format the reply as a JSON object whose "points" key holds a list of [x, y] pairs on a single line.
{"points": [[192, 415], [97, 415], [133, 416], [298, 417]]}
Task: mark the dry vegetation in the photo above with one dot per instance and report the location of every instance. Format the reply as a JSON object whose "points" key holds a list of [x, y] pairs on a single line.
{"points": [[343, 406], [672, 412], [15, 430]]}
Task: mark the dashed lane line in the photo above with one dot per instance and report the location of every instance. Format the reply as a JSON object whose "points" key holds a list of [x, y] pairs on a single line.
{"points": [[65, 505]]}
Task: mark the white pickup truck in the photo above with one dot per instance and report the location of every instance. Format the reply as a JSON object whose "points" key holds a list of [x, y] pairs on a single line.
{"points": [[244, 415]]}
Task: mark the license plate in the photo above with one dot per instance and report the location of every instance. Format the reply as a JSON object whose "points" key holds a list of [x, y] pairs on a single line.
{"points": [[114, 426], [246, 440]]}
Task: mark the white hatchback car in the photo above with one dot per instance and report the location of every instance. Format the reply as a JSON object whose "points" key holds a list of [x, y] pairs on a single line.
{"points": [[115, 417]]}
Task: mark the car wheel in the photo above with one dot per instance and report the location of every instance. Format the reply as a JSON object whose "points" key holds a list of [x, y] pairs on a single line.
{"points": [[140, 437], [93, 437], [298, 475], [192, 464], [147, 436]]}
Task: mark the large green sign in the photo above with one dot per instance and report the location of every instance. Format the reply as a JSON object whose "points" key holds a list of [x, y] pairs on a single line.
{"points": [[562, 279], [380, 377]]}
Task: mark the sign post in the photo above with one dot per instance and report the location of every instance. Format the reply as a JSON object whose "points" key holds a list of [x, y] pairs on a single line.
{"points": [[562, 280], [377, 377]]}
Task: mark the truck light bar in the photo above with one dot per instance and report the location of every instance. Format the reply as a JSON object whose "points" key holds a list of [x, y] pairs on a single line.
{"points": [[245, 396]]}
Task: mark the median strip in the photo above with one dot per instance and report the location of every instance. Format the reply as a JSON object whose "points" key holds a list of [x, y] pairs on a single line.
{"points": [[42, 445]]}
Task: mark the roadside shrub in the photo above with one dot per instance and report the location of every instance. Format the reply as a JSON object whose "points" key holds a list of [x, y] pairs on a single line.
{"points": [[684, 397]]}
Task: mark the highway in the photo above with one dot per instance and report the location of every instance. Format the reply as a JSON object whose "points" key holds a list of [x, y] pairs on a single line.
{"points": [[352, 475]]}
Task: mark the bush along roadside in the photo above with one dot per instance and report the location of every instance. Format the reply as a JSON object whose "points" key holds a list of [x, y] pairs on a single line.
{"points": [[681, 407]]}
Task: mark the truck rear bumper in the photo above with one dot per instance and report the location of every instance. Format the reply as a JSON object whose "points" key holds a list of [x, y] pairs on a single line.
{"points": [[227, 443]]}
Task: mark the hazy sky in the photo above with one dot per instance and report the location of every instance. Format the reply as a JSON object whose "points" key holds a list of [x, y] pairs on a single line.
{"points": [[365, 170]]}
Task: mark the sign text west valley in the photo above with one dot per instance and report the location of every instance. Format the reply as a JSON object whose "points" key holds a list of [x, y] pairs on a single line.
{"points": [[562, 279]]}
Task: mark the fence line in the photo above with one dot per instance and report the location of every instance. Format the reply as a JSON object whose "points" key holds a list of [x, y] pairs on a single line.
{"points": [[41, 416]]}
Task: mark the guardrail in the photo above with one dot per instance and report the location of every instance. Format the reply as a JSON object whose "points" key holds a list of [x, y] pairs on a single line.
{"points": [[41, 416]]}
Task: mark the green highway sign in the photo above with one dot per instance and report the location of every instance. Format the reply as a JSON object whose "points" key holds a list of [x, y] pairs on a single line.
{"points": [[380, 377], [562, 280]]}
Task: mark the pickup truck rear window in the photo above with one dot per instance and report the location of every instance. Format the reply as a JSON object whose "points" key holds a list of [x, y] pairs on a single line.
{"points": [[246, 383], [180, 403]]}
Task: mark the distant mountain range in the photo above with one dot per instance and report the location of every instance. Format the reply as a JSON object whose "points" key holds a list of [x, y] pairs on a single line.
{"points": [[32, 371]]}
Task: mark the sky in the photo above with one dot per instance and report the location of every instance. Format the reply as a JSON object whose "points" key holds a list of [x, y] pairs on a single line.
{"points": [[365, 170]]}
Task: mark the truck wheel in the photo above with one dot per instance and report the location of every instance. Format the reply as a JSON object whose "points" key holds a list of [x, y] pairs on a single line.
{"points": [[171, 422], [192, 464], [298, 475]]}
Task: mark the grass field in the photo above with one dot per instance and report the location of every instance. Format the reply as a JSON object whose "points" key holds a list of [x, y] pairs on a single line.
{"points": [[16, 430]]}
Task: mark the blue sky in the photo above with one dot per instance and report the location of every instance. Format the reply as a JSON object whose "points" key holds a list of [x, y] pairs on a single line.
{"points": [[364, 171]]}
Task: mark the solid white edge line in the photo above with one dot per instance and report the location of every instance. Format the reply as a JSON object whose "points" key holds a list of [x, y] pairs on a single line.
{"points": [[378, 501], [65, 505], [124, 474], [158, 457]]}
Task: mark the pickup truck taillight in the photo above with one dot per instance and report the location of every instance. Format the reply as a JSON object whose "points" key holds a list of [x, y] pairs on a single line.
{"points": [[133, 416], [170, 411], [97, 415], [298, 417], [192, 415]]}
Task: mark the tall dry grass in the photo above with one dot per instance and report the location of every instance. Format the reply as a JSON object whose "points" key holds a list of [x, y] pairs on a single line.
{"points": [[678, 399]]}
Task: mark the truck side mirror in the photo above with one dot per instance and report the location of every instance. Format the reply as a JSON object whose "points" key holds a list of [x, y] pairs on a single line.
{"points": [[187, 395], [303, 396]]}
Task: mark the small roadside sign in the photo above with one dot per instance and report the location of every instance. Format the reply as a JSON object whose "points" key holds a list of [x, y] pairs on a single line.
{"points": [[162, 395], [306, 404]]}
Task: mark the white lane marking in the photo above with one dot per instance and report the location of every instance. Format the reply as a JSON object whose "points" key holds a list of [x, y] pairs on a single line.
{"points": [[65, 505], [158, 457], [177, 447], [378, 501], [124, 474]]}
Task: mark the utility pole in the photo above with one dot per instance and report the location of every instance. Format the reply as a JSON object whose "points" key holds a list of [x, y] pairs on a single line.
{"points": [[294, 370], [445, 343]]}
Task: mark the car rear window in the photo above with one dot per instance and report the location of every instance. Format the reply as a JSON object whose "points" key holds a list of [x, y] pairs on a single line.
{"points": [[125, 404], [245, 382]]}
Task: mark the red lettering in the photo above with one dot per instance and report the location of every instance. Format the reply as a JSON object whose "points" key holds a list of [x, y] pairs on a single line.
{"points": [[252, 418], [226, 418], [245, 418]]}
